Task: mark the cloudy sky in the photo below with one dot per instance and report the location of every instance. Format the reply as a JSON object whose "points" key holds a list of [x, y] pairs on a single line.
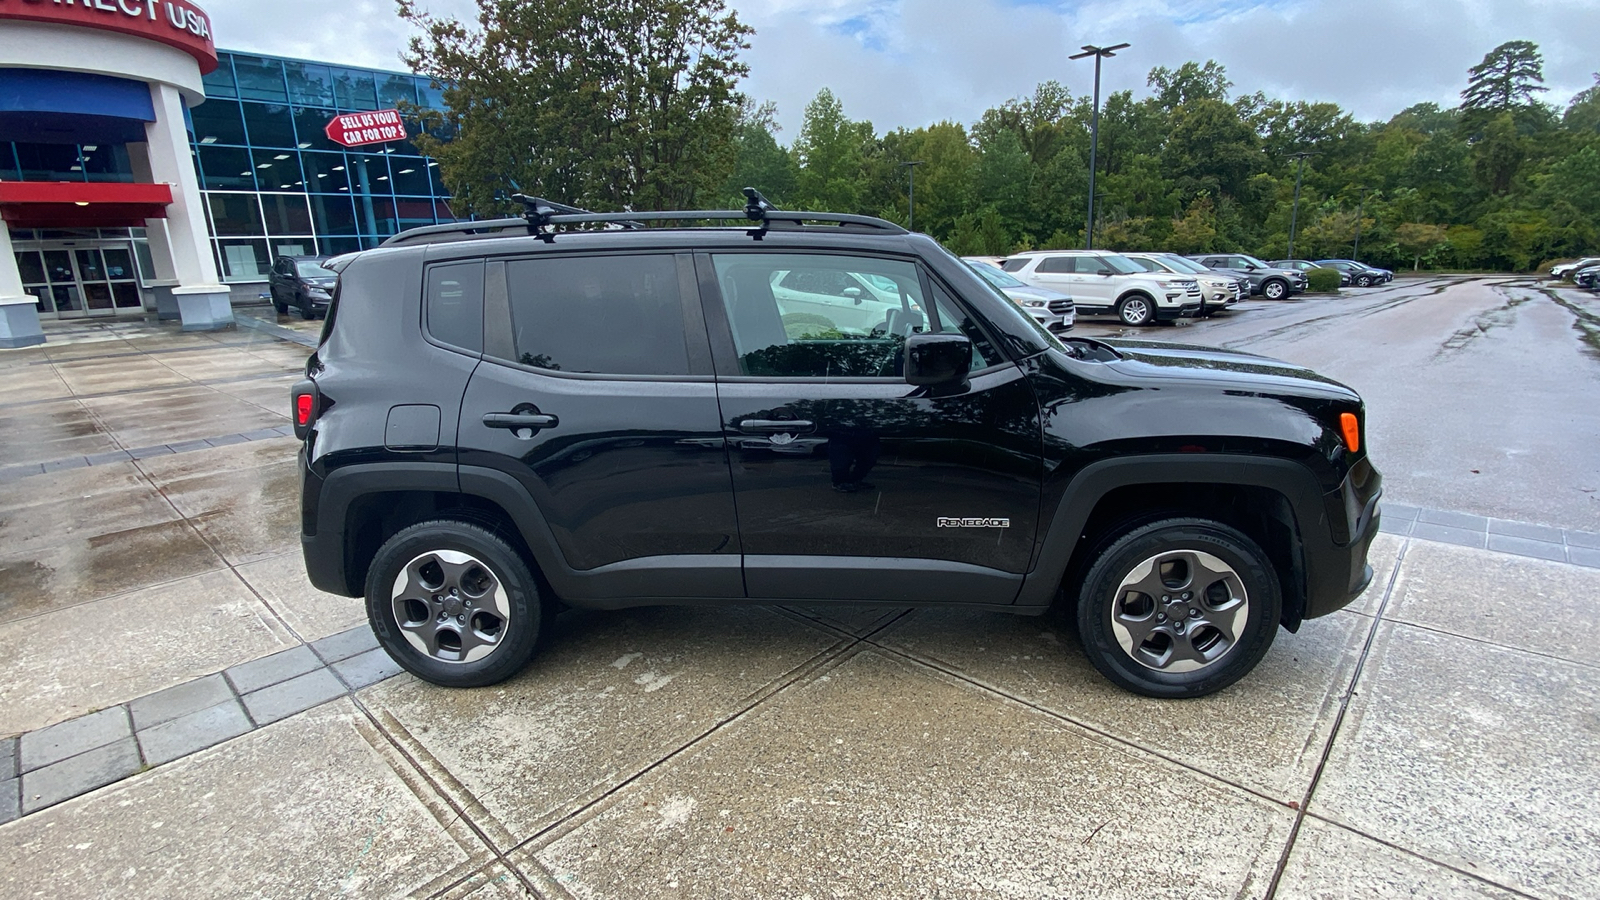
{"points": [[911, 62]]}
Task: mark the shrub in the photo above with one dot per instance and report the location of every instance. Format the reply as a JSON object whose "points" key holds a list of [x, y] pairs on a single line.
{"points": [[1322, 280]]}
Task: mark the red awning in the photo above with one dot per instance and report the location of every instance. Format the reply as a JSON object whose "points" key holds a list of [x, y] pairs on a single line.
{"points": [[82, 204]]}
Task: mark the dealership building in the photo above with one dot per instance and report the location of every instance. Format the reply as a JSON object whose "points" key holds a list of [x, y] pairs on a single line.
{"points": [[141, 169]]}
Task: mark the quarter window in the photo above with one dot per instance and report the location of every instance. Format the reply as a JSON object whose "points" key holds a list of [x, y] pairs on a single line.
{"points": [[455, 304], [1056, 264], [616, 315]]}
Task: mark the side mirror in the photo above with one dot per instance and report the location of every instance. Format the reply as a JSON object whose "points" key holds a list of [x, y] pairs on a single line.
{"points": [[1106, 272], [854, 293], [938, 359]]}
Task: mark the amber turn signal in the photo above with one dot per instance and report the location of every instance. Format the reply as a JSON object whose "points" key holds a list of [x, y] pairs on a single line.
{"points": [[1352, 431]]}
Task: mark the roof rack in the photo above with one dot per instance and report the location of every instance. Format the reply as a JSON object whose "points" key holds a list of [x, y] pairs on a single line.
{"points": [[542, 214]]}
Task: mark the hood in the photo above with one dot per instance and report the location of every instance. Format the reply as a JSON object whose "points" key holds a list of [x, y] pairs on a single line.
{"points": [[327, 283], [1227, 368], [1034, 293]]}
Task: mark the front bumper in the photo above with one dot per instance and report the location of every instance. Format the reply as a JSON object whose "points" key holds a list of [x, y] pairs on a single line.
{"points": [[1338, 573]]}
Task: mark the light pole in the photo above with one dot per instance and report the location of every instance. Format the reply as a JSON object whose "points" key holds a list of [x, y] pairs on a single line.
{"points": [[1360, 207], [911, 196], [1098, 53], [1294, 214]]}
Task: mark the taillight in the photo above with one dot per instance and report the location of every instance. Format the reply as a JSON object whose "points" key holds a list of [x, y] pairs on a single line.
{"points": [[306, 401], [1351, 426]]}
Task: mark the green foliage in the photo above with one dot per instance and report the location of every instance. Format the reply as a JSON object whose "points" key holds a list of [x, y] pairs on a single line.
{"points": [[610, 106], [1322, 280], [1508, 77]]}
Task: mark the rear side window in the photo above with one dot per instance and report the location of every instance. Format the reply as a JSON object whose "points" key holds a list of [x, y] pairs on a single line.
{"points": [[1055, 264], [454, 305], [614, 315], [1014, 265]]}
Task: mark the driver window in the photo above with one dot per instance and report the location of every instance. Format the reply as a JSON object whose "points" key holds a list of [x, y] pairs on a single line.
{"points": [[820, 316]]}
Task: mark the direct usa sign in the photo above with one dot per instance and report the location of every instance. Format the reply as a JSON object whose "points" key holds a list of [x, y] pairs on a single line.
{"points": [[176, 23], [359, 129]]}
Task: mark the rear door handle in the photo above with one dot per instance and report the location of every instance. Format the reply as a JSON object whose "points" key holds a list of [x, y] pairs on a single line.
{"points": [[516, 421], [777, 426]]}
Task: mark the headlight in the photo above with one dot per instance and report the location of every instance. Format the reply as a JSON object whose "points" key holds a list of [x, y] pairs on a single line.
{"points": [[1034, 304], [319, 294]]}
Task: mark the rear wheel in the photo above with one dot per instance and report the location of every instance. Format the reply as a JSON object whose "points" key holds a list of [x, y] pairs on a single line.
{"points": [[1275, 289], [1136, 309], [1179, 607], [454, 604]]}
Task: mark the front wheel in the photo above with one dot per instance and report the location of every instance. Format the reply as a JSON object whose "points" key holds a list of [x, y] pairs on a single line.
{"points": [[1135, 310], [1179, 608], [1364, 281], [1274, 290], [454, 604]]}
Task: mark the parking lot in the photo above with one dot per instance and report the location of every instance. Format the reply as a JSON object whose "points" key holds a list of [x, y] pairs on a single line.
{"points": [[181, 714]]}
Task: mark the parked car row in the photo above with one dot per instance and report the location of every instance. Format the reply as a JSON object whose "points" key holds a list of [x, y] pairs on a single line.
{"points": [[1571, 269], [1350, 271]]}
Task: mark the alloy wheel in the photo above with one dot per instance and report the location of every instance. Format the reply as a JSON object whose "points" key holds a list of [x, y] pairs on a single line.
{"points": [[450, 606], [1180, 611]]}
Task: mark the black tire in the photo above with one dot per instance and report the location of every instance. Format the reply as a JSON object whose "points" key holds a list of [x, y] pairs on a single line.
{"points": [[308, 312], [279, 305], [506, 609], [1136, 310], [1275, 289], [1108, 601], [1364, 281]]}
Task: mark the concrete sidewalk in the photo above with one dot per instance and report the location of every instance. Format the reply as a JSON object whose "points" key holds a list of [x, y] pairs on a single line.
{"points": [[191, 718]]}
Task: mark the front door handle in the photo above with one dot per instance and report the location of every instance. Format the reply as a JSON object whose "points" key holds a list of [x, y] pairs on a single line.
{"points": [[518, 421], [777, 426]]}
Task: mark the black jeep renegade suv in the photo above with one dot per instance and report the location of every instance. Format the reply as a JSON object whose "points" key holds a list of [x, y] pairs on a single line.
{"points": [[598, 411]]}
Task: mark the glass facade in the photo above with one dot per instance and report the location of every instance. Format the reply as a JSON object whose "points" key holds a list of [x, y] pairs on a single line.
{"points": [[275, 185], [272, 183]]}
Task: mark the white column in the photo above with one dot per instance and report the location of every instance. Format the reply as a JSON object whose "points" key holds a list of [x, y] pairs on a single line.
{"points": [[166, 278], [19, 316], [202, 297]]}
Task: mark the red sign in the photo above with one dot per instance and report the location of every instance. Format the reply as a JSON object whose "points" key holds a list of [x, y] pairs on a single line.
{"points": [[177, 23], [357, 129]]}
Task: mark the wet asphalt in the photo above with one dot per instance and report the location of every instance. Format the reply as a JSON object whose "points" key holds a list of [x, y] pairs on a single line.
{"points": [[1480, 391]]}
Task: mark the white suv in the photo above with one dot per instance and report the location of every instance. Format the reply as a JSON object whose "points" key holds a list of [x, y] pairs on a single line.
{"points": [[1109, 283]]}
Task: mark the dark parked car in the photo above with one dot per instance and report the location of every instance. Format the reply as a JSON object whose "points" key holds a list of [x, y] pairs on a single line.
{"points": [[1588, 278], [504, 419], [1306, 265], [1361, 274], [303, 283], [1269, 282]]}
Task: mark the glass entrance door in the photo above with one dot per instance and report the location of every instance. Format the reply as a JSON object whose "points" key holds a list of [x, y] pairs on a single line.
{"points": [[72, 280]]}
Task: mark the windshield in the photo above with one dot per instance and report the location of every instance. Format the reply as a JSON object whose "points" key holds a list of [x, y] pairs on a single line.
{"points": [[994, 276], [1185, 265], [313, 269], [1148, 265], [1120, 264], [1254, 262]]}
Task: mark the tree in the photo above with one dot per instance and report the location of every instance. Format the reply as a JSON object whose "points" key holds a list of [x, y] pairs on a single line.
{"points": [[1418, 239], [611, 106], [831, 151], [1189, 83], [1583, 113], [759, 161], [1498, 155], [1506, 80]]}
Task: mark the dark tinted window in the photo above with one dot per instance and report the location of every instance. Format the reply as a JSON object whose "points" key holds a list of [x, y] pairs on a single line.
{"points": [[1056, 264], [455, 304], [618, 315], [1014, 265]]}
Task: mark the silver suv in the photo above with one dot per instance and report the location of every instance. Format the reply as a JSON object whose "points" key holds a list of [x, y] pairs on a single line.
{"points": [[1217, 291], [1109, 283], [1271, 283]]}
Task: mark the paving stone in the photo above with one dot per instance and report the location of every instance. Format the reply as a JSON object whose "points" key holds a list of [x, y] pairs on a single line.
{"points": [[10, 800], [79, 775], [195, 731], [298, 694], [1583, 539], [345, 644], [1453, 519], [1400, 511], [8, 759], [1583, 556], [226, 439], [71, 462], [1526, 530], [179, 701], [1525, 547], [367, 668], [1448, 535], [74, 736], [1329, 862], [261, 434], [147, 452], [115, 456], [187, 446], [1395, 526], [13, 473], [268, 670]]}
